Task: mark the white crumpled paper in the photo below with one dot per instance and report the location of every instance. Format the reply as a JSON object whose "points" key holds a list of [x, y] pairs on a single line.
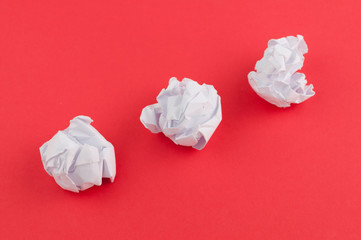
{"points": [[186, 112], [277, 80], [79, 156]]}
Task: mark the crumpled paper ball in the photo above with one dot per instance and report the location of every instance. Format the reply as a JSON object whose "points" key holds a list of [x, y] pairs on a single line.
{"points": [[276, 78], [79, 156], [186, 112]]}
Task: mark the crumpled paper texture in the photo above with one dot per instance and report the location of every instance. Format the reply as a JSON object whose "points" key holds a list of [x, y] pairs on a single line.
{"points": [[186, 112], [79, 156], [276, 78]]}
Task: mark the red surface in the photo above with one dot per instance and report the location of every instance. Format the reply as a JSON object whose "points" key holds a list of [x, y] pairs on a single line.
{"points": [[267, 173]]}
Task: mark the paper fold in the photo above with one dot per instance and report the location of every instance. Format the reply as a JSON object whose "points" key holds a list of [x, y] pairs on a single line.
{"points": [[276, 78], [79, 156], [186, 112]]}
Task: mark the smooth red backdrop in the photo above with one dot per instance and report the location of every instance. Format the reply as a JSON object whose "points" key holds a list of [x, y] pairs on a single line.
{"points": [[267, 173]]}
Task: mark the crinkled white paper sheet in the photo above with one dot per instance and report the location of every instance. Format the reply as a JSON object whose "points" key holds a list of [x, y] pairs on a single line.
{"points": [[276, 78], [186, 112], [79, 156]]}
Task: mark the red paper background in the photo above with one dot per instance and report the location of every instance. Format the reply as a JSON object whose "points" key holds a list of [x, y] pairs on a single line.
{"points": [[267, 173]]}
